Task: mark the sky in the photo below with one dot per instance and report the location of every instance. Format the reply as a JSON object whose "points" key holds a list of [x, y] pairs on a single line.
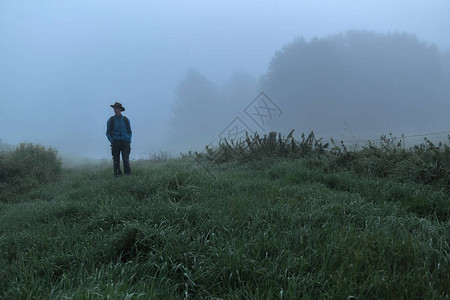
{"points": [[62, 63]]}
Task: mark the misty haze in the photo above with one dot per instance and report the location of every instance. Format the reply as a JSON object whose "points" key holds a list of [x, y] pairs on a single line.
{"points": [[272, 149], [186, 70]]}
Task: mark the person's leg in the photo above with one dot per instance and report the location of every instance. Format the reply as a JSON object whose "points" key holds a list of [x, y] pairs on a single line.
{"points": [[126, 149], [116, 158]]}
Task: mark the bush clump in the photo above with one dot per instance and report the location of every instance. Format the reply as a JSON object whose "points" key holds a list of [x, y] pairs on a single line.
{"points": [[255, 147], [426, 163], [26, 167]]}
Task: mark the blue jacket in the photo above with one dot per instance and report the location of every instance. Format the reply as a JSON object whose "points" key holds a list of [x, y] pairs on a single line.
{"points": [[120, 130]]}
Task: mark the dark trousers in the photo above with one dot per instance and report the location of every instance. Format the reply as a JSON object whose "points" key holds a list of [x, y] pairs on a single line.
{"points": [[116, 148]]}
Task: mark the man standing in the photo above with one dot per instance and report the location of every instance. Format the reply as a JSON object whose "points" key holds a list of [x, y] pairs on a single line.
{"points": [[118, 132]]}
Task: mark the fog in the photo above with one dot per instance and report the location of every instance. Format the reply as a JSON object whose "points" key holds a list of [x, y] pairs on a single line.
{"points": [[186, 70]]}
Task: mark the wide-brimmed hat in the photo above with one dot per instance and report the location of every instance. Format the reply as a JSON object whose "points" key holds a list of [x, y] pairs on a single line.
{"points": [[119, 105]]}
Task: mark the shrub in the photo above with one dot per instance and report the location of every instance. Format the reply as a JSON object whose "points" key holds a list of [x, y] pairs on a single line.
{"points": [[425, 163], [26, 167], [255, 147]]}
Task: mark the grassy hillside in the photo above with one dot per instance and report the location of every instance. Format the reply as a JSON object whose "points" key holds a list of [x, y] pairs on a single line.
{"points": [[269, 228]]}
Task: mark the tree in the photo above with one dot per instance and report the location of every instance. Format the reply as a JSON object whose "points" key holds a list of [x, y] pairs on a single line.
{"points": [[373, 82], [194, 110], [203, 110]]}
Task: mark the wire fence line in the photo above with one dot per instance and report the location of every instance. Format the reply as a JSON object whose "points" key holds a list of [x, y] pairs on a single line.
{"points": [[378, 139]]}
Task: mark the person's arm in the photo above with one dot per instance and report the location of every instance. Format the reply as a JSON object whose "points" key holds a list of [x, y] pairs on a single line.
{"points": [[108, 131], [131, 132]]}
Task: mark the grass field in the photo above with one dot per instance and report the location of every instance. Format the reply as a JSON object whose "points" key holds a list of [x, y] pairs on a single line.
{"points": [[272, 228]]}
